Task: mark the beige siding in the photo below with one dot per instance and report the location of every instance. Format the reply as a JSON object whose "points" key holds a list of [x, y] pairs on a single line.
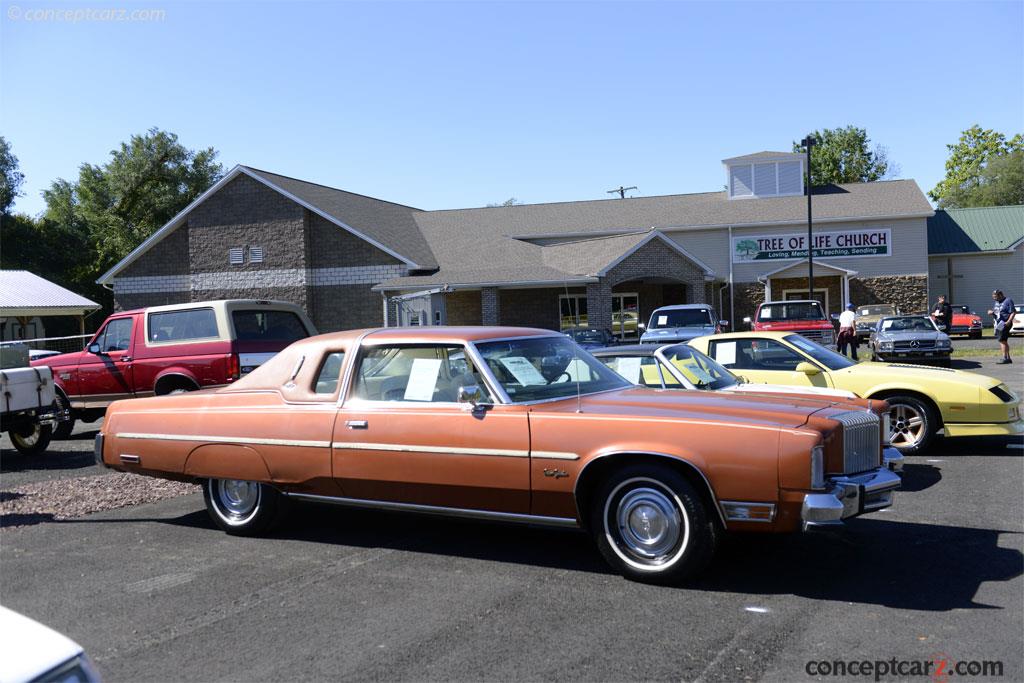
{"points": [[909, 255], [981, 274]]}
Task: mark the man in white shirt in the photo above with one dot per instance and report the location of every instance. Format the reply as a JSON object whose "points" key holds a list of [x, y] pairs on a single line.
{"points": [[847, 332]]}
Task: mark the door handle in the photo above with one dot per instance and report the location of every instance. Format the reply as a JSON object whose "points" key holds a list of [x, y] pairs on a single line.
{"points": [[125, 359], [356, 424]]}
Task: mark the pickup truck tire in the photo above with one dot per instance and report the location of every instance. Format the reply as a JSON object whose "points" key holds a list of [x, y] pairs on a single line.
{"points": [[651, 525], [243, 508], [32, 440], [64, 428]]}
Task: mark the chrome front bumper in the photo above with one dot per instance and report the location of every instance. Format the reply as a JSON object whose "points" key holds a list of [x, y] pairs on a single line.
{"points": [[849, 496], [892, 459]]}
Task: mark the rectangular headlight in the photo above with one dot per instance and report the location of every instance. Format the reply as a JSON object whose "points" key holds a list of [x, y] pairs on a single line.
{"points": [[818, 467]]}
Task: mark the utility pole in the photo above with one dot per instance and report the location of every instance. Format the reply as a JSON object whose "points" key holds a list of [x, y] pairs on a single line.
{"points": [[809, 142], [621, 191]]}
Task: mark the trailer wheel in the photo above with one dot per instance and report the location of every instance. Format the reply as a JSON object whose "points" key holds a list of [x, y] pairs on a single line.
{"points": [[32, 439]]}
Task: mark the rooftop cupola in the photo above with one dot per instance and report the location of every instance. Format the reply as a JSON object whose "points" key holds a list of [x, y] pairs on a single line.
{"points": [[765, 174]]}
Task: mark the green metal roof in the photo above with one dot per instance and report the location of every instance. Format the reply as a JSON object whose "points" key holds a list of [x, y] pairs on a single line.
{"points": [[990, 228]]}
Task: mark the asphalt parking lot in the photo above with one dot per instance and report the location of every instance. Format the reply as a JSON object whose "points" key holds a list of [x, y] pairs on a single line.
{"points": [[155, 592]]}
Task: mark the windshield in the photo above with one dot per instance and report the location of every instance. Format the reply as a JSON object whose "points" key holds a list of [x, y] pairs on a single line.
{"points": [[700, 370], [962, 309], [918, 323], [685, 317], [533, 369], [876, 310], [793, 310], [587, 336], [830, 359]]}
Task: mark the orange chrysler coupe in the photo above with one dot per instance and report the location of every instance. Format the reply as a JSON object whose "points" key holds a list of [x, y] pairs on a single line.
{"points": [[509, 424]]}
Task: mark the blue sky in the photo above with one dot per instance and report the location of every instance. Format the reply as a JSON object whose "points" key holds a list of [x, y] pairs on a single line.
{"points": [[453, 105]]}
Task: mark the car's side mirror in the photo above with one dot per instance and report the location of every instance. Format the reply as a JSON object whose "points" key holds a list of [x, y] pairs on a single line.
{"points": [[723, 323], [95, 349], [834, 316], [809, 369], [641, 326], [470, 394]]}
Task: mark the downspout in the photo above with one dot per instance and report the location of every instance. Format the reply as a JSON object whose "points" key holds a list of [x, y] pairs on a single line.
{"points": [[732, 290], [384, 296]]}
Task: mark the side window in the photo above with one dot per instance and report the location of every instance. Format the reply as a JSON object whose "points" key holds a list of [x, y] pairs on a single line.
{"points": [[116, 336], [330, 372], [418, 374], [180, 326], [755, 354]]}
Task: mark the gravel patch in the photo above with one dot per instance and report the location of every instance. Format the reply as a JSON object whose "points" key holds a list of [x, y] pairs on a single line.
{"points": [[68, 498]]}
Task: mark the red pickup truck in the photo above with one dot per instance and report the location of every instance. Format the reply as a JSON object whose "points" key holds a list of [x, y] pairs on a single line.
{"points": [[805, 317], [170, 349]]}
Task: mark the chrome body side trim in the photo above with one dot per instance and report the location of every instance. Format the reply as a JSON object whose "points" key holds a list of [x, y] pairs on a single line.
{"points": [[224, 439], [130, 459], [443, 450], [351, 356], [564, 522], [453, 450], [669, 456], [97, 449]]}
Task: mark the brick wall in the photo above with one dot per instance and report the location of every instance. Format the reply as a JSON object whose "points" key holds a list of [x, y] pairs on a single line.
{"points": [[530, 307], [463, 307], [331, 246], [347, 307]]}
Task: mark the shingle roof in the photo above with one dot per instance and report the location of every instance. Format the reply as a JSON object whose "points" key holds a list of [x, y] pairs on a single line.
{"points": [[758, 156], [955, 231], [26, 294], [390, 224]]}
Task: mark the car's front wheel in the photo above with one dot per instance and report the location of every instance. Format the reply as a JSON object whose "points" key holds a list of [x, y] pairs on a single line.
{"points": [[244, 508], [912, 423], [650, 524]]}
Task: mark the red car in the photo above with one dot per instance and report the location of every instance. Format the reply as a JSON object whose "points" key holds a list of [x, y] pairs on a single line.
{"points": [[965, 321], [171, 349], [805, 317]]}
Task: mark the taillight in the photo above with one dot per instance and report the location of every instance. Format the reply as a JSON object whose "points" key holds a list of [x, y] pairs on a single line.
{"points": [[234, 368]]}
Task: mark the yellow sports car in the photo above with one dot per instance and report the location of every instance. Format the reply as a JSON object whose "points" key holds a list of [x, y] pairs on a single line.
{"points": [[922, 400]]}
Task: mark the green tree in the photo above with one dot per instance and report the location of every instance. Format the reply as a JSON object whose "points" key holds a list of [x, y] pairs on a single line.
{"points": [[845, 155], [983, 169], [147, 181], [11, 178], [511, 201], [747, 247]]}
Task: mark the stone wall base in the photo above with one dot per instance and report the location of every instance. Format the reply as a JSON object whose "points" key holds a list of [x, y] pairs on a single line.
{"points": [[909, 293]]}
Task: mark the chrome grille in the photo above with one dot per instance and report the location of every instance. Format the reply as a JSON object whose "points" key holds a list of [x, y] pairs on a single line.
{"points": [[915, 345], [817, 335], [861, 440]]}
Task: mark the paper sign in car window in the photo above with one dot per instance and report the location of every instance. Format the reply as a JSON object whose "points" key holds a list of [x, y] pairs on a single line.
{"points": [[725, 353], [422, 379], [886, 324], [577, 371], [662, 320], [766, 313], [629, 368], [524, 372]]}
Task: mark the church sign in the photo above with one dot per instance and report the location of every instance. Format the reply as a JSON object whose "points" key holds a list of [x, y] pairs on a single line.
{"points": [[842, 244]]}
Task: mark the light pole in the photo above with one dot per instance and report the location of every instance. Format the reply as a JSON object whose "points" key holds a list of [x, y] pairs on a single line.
{"points": [[809, 142]]}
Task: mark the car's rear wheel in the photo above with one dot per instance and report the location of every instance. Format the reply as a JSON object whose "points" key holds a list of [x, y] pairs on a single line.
{"points": [[245, 508], [650, 524], [31, 439], [912, 422]]}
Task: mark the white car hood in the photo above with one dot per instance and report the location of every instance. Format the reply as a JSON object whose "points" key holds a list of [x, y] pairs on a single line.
{"points": [[789, 389], [28, 649]]}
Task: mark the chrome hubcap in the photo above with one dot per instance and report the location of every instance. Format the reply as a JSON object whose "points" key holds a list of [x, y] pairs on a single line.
{"points": [[31, 439], [238, 498], [907, 425], [649, 524]]}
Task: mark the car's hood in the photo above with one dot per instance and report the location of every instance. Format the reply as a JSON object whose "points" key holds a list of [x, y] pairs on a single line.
{"points": [[910, 335], [74, 358], [790, 389], [677, 333], [781, 410], [895, 372]]}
